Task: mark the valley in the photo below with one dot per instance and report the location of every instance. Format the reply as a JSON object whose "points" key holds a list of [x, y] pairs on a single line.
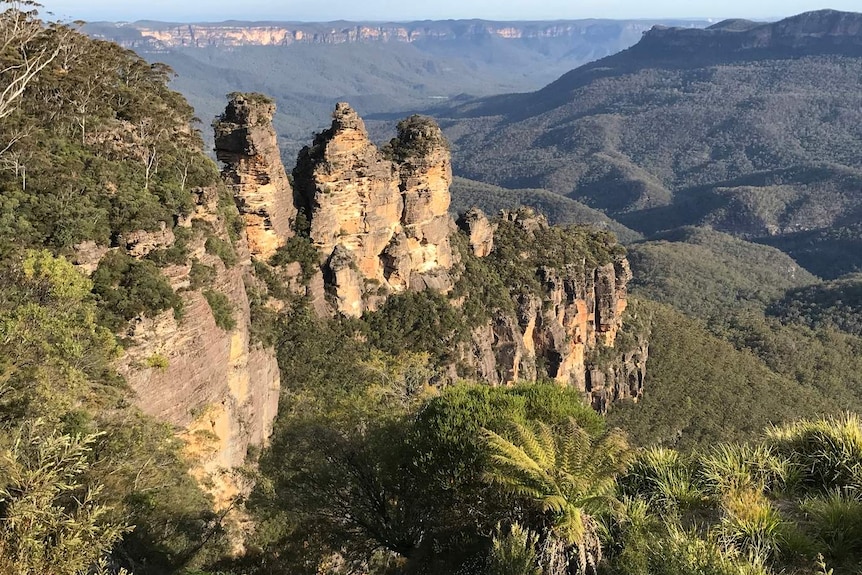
{"points": [[471, 297]]}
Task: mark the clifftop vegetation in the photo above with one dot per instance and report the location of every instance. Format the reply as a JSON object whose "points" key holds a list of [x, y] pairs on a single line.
{"points": [[391, 454], [93, 147]]}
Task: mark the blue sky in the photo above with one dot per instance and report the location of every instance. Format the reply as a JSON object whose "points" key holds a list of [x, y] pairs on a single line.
{"points": [[323, 10]]}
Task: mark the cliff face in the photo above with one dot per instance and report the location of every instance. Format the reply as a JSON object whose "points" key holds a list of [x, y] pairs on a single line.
{"points": [[380, 225], [161, 36], [569, 327], [246, 142], [829, 31], [214, 384]]}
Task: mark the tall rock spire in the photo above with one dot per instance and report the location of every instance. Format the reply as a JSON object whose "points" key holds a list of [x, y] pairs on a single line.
{"points": [[379, 218], [246, 142]]}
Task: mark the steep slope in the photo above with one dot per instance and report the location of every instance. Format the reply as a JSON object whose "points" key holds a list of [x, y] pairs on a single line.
{"points": [[710, 275], [725, 127], [125, 317]]}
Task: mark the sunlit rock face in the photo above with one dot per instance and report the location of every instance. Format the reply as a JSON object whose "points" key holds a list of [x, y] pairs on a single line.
{"points": [[379, 218], [247, 144]]}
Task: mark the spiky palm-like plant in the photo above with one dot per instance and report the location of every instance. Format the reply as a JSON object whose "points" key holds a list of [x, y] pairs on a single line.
{"points": [[569, 476]]}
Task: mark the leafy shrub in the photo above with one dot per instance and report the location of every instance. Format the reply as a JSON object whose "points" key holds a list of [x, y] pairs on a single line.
{"points": [[835, 521], [157, 361], [178, 253], [298, 249], [420, 322], [127, 287], [751, 524], [222, 309], [222, 249], [665, 478], [201, 275], [827, 451], [513, 552], [730, 467]]}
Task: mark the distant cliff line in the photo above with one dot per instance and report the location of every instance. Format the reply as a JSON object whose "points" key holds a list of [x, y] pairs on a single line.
{"points": [[165, 35]]}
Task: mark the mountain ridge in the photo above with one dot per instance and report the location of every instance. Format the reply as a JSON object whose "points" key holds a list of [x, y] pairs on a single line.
{"points": [[155, 35]]}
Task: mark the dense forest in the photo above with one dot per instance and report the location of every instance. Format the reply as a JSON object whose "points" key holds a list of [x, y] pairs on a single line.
{"points": [[389, 455]]}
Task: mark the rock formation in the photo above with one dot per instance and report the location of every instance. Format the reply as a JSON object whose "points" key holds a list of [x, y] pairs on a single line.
{"points": [[480, 231], [380, 221], [246, 142], [216, 385], [565, 328]]}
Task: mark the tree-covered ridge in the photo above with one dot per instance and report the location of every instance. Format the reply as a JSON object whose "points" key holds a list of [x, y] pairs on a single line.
{"points": [[836, 304], [709, 274], [93, 148], [559, 210], [695, 127]]}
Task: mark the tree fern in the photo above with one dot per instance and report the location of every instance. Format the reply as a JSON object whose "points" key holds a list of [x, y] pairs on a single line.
{"points": [[568, 476]]}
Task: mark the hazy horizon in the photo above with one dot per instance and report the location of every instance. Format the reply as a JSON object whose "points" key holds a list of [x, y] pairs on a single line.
{"points": [[389, 10]]}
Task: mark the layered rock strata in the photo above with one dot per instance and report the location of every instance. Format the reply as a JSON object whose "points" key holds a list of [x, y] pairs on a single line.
{"points": [[215, 385], [569, 328], [379, 220], [246, 142]]}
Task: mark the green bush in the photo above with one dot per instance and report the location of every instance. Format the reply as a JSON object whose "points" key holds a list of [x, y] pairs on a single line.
{"points": [[127, 287], [222, 249], [298, 249], [201, 275], [222, 309]]}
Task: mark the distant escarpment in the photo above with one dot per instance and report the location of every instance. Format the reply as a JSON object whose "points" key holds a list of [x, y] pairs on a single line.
{"points": [[530, 301], [823, 30], [163, 35]]}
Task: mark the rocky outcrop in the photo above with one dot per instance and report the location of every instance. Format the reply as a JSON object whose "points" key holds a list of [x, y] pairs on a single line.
{"points": [[479, 230], [379, 220], [141, 242], [216, 386], [820, 31], [246, 142], [567, 330]]}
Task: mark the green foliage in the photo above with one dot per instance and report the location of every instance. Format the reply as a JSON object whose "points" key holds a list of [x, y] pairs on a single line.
{"points": [[51, 516], [481, 288], [201, 275], [835, 522], [519, 255], [836, 305], [418, 322], [513, 552], [703, 390], [560, 210], [127, 287], [705, 273], [298, 249], [53, 350], [665, 479], [103, 121], [157, 361], [219, 247], [222, 309], [684, 553], [178, 253], [827, 452], [568, 476]]}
